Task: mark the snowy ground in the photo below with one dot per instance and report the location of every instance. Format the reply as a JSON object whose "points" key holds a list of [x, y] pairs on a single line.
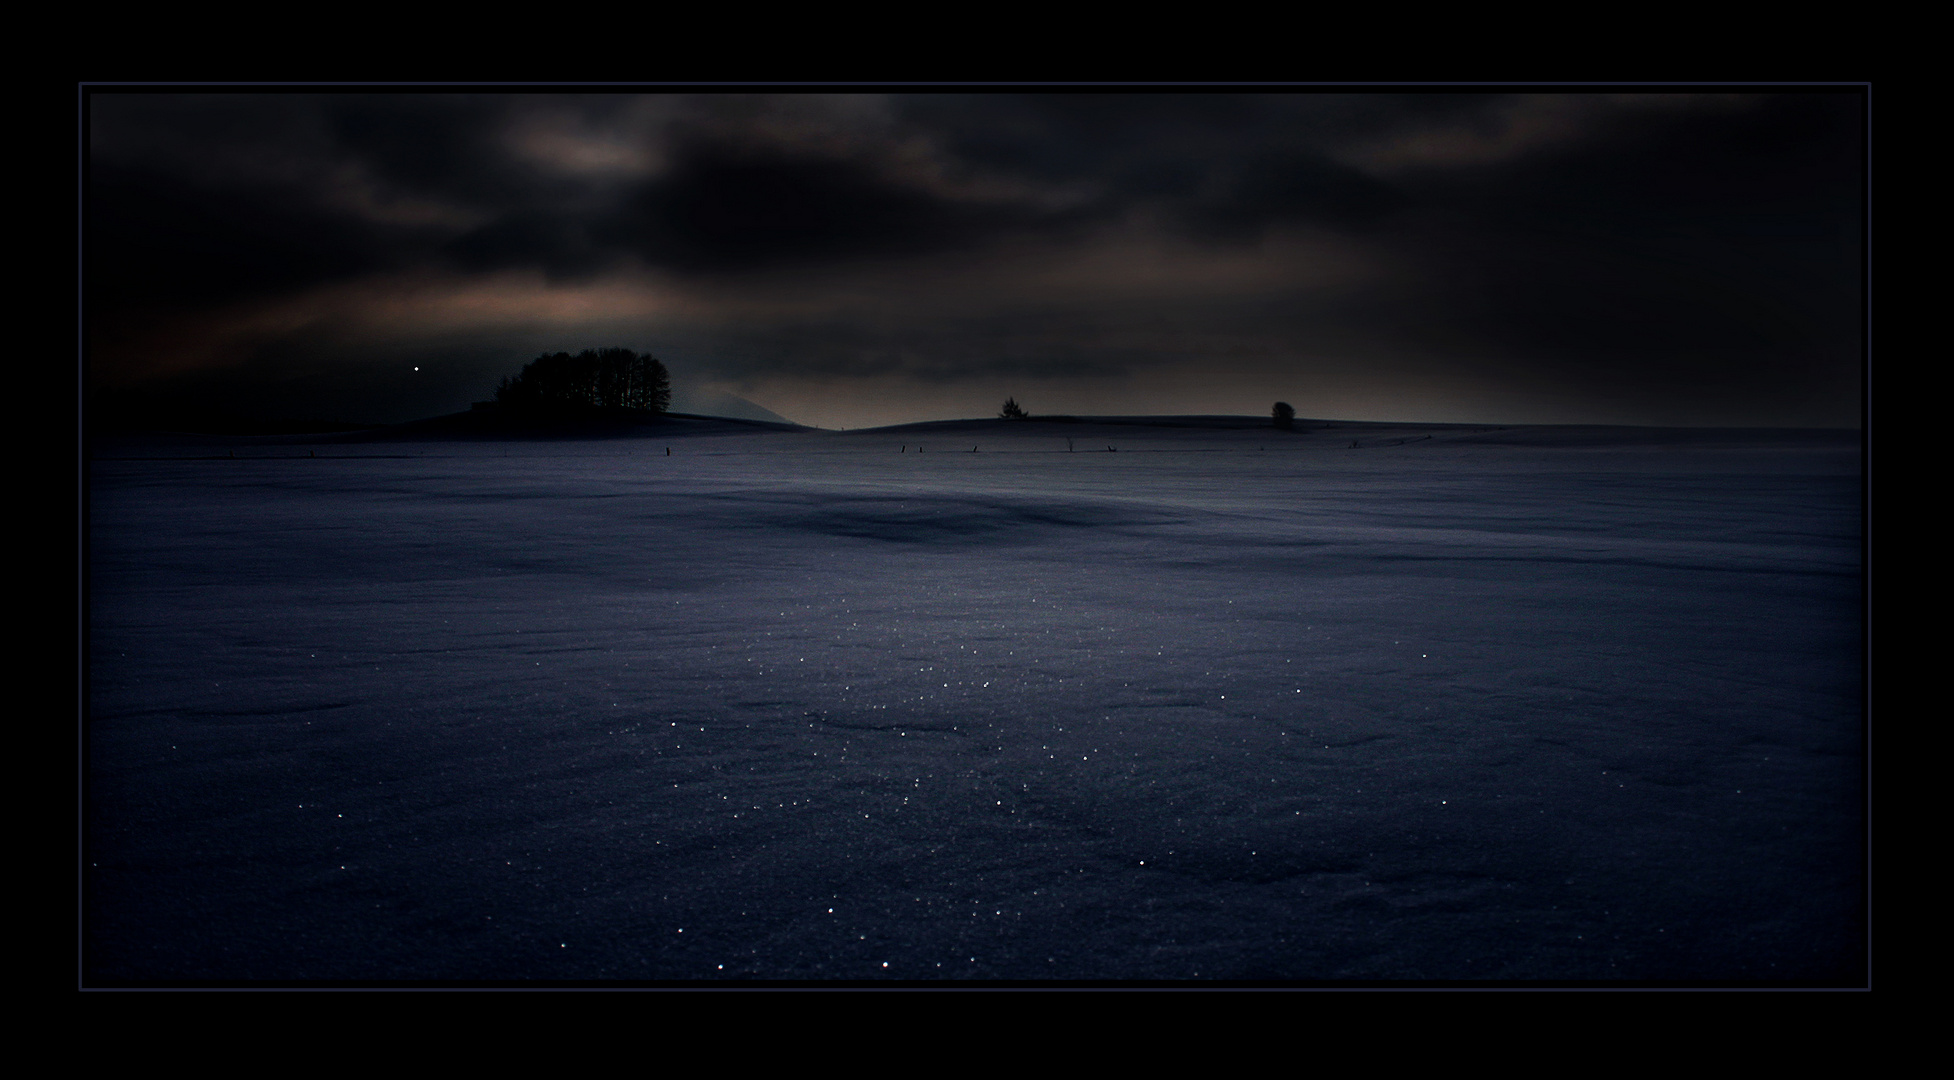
{"points": [[1545, 704]]}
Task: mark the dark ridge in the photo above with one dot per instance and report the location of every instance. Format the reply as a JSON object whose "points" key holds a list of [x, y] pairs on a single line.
{"points": [[1224, 423], [1482, 432], [215, 425], [488, 421]]}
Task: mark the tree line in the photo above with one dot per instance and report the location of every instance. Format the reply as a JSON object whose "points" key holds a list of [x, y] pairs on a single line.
{"points": [[614, 378]]}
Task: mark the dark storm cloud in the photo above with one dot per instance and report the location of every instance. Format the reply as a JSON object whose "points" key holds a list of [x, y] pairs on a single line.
{"points": [[732, 208], [563, 245], [726, 207], [1288, 187], [1683, 236], [224, 195], [157, 238], [439, 145], [1582, 241], [214, 200], [1224, 167]]}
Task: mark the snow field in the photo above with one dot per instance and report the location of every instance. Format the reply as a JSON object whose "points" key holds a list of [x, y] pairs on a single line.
{"points": [[1503, 705]]}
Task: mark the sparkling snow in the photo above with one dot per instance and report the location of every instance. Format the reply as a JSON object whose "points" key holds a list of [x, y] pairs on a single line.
{"points": [[1225, 704]]}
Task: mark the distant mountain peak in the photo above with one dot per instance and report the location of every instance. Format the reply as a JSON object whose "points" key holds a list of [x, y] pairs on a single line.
{"points": [[707, 401]]}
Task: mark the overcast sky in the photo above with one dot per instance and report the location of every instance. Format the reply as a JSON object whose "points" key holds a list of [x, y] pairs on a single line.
{"points": [[851, 260]]}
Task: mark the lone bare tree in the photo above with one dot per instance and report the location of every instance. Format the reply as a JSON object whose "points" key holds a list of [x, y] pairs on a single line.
{"points": [[1011, 411]]}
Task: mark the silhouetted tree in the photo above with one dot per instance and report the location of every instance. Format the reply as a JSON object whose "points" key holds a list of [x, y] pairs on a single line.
{"points": [[1285, 417], [616, 378], [1011, 411]]}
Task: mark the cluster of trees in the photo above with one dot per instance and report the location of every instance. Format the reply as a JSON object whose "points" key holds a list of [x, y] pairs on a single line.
{"points": [[617, 378]]}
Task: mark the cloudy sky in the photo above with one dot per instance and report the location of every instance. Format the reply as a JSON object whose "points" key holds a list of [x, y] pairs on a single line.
{"points": [[850, 260]]}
